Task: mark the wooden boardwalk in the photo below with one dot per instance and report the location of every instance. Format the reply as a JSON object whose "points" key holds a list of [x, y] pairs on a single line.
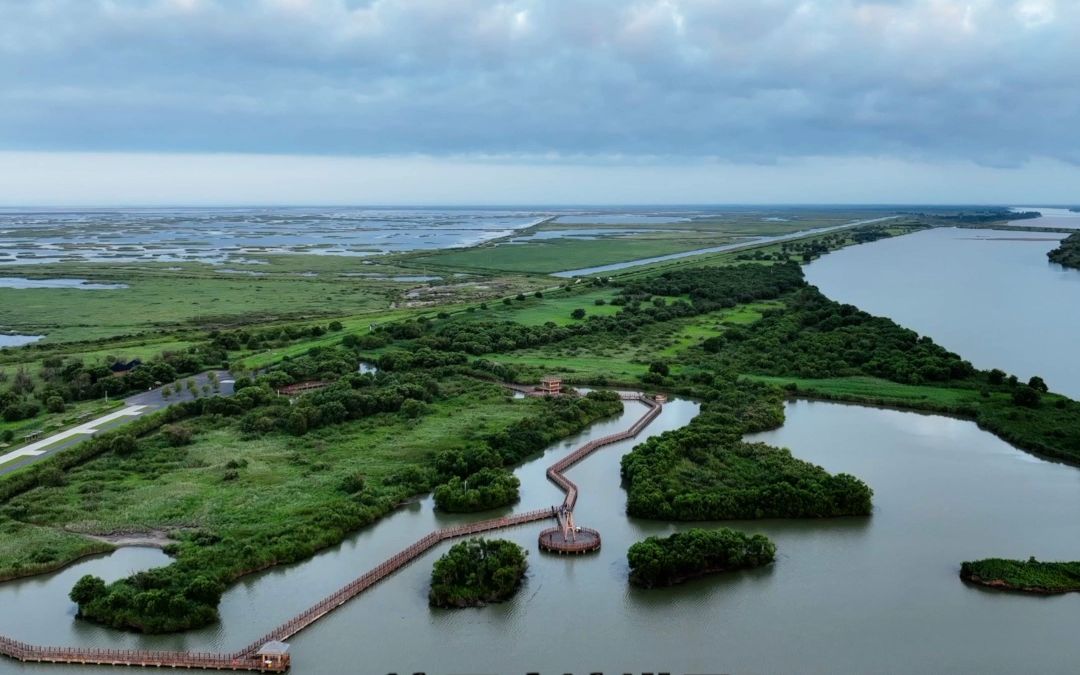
{"points": [[248, 658]]}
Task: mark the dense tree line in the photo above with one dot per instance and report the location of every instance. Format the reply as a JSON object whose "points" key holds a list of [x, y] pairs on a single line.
{"points": [[708, 289], [711, 288], [476, 572], [993, 215], [684, 555], [704, 471], [266, 338], [64, 380], [1068, 252], [815, 337], [351, 397], [486, 489]]}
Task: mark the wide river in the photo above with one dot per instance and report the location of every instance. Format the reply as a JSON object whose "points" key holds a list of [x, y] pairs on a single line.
{"points": [[991, 296], [875, 594]]}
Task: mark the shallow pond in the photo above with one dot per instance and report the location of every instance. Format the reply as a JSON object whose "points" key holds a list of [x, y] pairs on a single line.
{"points": [[12, 340], [81, 284]]}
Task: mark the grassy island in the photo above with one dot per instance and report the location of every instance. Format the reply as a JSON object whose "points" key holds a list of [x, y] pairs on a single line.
{"points": [[686, 555], [1068, 253], [1029, 576], [477, 572]]}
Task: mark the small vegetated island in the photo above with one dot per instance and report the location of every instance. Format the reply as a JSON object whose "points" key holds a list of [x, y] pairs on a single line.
{"points": [[1068, 253], [686, 555], [1030, 576], [476, 572]]}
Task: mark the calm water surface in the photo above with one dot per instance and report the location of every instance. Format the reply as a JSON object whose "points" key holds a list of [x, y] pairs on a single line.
{"points": [[990, 296], [877, 594], [82, 284], [15, 340], [1051, 217]]}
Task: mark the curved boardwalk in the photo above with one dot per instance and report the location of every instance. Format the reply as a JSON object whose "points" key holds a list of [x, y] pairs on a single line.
{"points": [[248, 658]]}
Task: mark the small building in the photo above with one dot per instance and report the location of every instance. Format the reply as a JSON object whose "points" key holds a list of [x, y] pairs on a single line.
{"points": [[274, 656], [551, 385]]}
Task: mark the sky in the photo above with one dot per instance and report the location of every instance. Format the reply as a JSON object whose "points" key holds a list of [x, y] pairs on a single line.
{"points": [[539, 101]]}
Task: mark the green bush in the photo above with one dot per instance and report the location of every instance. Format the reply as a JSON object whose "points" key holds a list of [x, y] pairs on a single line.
{"points": [[685, 555], [476, 572]]}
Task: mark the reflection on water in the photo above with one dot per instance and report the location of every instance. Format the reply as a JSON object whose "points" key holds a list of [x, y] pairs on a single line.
{"points": [[878, 594]]}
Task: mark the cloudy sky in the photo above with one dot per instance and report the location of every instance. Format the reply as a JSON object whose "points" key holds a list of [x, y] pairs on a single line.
{"points": [[539, 101]]}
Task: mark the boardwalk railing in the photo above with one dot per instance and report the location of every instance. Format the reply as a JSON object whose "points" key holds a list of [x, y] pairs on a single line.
{"points": [[129, 657], [247, 658]]}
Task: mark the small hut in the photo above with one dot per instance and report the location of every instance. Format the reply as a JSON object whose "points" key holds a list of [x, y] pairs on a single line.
{"points": [[551, 385], [274, 656]]}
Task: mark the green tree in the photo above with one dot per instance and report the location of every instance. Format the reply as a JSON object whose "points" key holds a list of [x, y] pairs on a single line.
{"points": [[87, 589]]}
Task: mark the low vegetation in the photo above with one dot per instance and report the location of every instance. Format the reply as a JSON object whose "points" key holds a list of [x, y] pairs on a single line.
{"points": [[26, 549], [685, 555], [474, 475], [1029, 575], [486, 489], [477, 572], [243, 493]]}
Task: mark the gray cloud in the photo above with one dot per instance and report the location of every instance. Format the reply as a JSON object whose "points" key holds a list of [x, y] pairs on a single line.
{"points": [[996, 81]]}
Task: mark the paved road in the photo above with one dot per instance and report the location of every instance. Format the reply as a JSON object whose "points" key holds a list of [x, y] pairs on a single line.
{"points": [[135, 406]]}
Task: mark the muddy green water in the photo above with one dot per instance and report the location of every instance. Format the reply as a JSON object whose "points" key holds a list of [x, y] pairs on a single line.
{"points": [[877, 594]]}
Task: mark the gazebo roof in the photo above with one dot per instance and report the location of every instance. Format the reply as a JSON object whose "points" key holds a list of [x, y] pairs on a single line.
{"points": [[273, 648], [551, 378]]}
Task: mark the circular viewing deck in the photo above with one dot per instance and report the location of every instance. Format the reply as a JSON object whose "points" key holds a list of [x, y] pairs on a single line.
{"points": [[585, 540]]}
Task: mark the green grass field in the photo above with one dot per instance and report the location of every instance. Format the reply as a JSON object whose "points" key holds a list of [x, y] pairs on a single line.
{"points": [[854, 388], [283, 479], [30, 549], [555, 307], [599, 358], [556, 255], [152, 304]]}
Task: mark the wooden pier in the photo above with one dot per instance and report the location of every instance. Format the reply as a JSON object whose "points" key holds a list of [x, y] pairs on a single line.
{"points": [[257, 657]]}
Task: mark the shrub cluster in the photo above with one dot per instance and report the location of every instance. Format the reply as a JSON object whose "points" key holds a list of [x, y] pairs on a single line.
{"points": [[476, 572], [685, 555]]}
